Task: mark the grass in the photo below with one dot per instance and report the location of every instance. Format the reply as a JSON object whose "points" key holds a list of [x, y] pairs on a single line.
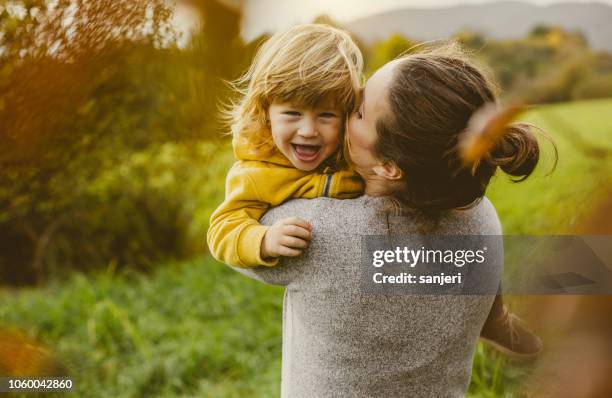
{"points": [[556, 203], [193, 329], [199, 329]]}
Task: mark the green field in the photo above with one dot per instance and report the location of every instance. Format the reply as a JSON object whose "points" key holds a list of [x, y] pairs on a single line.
{"points": [[555, 203], [198, 329]]}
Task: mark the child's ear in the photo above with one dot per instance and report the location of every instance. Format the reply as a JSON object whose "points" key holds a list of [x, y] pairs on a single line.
{"points": [[389, 171]]}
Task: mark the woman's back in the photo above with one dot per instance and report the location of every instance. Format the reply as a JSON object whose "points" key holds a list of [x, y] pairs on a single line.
{"points": [[339, 339]]}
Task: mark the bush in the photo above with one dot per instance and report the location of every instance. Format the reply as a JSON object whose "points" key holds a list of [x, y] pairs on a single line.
{"points": [[559, 84], [154, 205], [90, 176], [384, 51], [596, 86]]}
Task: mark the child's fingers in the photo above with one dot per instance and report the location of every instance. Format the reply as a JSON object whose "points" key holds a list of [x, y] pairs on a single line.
{"points": [[298, 232], [296, 243], [298, 222], [289, 252]]}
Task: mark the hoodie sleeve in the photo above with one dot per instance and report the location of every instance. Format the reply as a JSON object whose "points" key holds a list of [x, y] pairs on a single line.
{"points": [[235, 234]]}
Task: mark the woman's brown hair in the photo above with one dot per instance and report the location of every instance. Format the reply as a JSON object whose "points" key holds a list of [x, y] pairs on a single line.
{"points": [[432, 98]]}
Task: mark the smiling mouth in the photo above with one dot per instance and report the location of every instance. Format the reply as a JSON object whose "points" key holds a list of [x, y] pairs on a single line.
{"points": [[306, 153]]}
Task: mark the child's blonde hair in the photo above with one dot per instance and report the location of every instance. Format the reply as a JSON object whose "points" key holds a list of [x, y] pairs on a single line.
{"points": [[302, 66]]}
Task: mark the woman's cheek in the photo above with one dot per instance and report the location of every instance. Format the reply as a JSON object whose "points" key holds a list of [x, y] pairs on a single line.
{"points": [[357, 139]]}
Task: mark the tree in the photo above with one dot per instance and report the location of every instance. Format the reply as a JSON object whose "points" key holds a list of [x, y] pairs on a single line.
{"points": [[64, 91], [387, 50], [100, 117]]}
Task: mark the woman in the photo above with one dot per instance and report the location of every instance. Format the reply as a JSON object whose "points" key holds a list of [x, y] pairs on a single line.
{"points": [[341, 338]]}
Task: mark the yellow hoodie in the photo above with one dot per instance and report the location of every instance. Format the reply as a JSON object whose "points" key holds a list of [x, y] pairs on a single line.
{"points": [[253, 185]]}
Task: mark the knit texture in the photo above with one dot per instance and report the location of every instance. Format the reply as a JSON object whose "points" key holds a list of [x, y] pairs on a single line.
{"points": [[339, 341]]}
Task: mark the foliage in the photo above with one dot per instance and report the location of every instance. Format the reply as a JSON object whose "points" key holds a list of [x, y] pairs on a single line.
{"points": [[87, 87], [65, 96], [386, 50], [549, 65], [594, 86], [151, 206], [546, 66]]}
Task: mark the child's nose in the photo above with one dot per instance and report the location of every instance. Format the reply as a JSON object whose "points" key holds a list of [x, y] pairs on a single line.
{"points": [[308, 128]]}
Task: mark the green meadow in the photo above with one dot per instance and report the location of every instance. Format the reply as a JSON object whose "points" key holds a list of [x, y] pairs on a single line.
{"points": [[549, 203], [198, 329]]}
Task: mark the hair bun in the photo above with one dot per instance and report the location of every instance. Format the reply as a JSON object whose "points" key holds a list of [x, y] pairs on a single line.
{"points": [[518, 151], [484, 130], [491, 137]]}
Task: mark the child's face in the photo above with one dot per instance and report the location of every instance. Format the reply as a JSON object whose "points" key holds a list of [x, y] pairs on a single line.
{"points": [[306, 136]]}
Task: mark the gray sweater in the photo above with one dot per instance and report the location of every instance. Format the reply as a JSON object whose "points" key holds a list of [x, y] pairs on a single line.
{"points": [[341, 342]]}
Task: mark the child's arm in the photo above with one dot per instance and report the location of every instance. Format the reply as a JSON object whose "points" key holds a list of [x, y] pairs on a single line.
{"points": [[286, 237], [235, 236]]}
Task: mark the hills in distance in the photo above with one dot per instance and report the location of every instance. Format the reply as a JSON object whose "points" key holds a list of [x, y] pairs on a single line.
{"points": [[500, 20]]}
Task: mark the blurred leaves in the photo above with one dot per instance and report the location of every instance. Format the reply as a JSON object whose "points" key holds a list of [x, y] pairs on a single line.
{"points": [[22, 356], [549, 65], [384, 51], [88, 87], [153, 205]]}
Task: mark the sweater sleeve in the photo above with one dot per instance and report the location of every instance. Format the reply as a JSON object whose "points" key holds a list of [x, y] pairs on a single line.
{"points": [[235, 235], [281, 275]]}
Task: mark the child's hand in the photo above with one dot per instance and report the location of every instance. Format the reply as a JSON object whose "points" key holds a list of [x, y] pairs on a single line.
{"points": [[286, 237]]}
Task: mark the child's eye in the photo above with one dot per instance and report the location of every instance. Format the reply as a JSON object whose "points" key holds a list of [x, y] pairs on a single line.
{"points": [[291, 113], [328, 115]]}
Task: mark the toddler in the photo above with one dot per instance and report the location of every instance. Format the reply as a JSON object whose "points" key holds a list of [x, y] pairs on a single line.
{"points": [[287, 130]]}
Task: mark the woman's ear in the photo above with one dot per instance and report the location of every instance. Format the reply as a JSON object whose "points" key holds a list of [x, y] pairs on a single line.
{"points": [[389, 171]]}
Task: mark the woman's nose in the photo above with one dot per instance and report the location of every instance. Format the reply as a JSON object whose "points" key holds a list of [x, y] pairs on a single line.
{"points": [[308, 128]]}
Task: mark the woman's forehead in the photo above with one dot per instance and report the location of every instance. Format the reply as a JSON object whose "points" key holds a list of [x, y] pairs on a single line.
{"points": [[377, 86]]}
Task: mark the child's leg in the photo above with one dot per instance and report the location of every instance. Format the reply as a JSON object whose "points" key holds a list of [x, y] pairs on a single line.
{"points": [[504, 331], [497, 310]]}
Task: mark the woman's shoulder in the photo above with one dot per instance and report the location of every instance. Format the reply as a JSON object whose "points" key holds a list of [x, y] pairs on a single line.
{"points": [[481, 219], [381, 215], [337, 214]]}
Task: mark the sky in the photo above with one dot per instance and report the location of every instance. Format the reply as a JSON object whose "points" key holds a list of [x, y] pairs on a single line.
{"points": [[272, 15], [261, 16]]}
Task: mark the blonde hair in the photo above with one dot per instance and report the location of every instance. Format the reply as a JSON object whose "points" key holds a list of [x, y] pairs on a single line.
{"points": [[302, 66]]}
